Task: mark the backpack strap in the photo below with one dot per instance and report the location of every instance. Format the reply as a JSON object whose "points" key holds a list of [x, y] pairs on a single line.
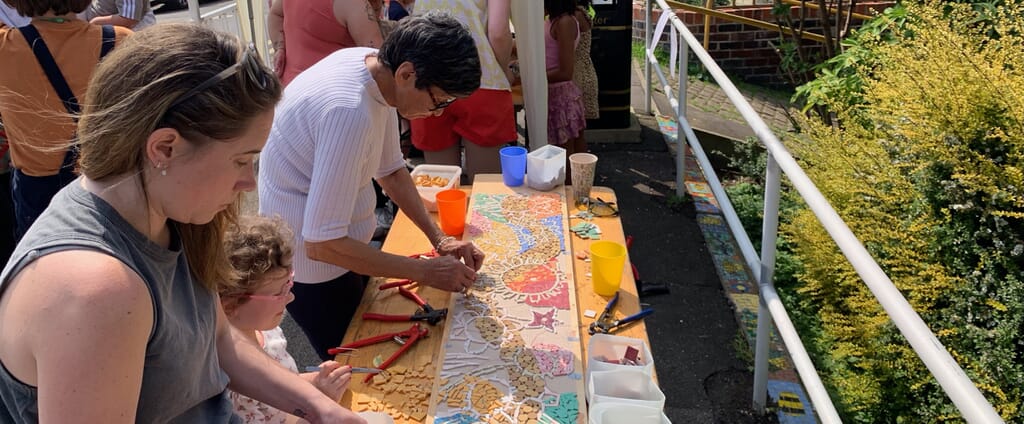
{"points": [[45, 59], [108, 40], [56, 77]]}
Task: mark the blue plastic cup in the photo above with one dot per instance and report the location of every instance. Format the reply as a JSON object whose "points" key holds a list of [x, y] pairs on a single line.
{"points": [[513, 165]]}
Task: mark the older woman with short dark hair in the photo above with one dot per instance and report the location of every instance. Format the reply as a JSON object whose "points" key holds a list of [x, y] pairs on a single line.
{"points": [[334, 133]]}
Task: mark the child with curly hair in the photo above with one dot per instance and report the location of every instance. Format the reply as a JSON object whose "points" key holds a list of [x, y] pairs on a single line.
{"points": [[260, 252]]}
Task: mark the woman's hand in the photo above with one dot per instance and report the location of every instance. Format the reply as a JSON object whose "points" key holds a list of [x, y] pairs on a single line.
{"points": [[446, 273], [471, 255]]}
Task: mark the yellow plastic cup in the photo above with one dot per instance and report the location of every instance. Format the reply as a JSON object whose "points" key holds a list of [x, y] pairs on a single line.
{"points": [[607, 259]]}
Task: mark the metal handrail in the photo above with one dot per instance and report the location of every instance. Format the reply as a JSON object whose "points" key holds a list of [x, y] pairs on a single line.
{"points": [[223, 10], [960, 389]]}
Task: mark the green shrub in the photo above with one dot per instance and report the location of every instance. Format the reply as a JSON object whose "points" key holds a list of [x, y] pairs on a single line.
{"points": [[931, 180]]}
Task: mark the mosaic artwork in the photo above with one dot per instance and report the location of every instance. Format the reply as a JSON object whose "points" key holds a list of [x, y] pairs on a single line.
{"points": [[511, 352]]}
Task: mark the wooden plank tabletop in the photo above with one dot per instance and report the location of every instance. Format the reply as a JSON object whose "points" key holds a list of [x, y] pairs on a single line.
{"points": [[405, 394]]}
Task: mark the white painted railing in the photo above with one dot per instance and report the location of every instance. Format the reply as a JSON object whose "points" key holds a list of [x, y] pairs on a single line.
{"points": [[964, 394], [224, 18]]}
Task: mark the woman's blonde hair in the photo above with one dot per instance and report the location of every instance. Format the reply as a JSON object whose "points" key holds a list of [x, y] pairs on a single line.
{"points": [[131, 94], [256, 246]]}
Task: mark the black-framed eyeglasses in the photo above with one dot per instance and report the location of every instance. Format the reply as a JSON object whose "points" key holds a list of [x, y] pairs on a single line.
{"points": [[439, 105], [250, 62]]}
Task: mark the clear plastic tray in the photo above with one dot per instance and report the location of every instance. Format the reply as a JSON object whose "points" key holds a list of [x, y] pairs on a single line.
{"points": [[429, 194]]}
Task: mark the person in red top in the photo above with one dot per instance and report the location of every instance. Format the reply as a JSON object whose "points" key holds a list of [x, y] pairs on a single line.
{"points": [[40, 125], [305, 31], [484, 122]]}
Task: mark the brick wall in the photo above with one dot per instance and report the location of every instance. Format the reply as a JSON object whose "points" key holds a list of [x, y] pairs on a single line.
{"points": [[743, 51]]}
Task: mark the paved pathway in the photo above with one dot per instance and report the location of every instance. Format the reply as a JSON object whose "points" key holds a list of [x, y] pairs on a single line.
{"points": [[710, 111], [714, 112]]}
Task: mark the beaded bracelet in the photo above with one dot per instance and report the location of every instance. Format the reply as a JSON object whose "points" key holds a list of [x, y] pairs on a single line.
{"points": [[442, 241]]}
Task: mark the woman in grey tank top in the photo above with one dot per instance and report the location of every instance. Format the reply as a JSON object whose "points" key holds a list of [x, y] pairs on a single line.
{"points": [[107, 307]]}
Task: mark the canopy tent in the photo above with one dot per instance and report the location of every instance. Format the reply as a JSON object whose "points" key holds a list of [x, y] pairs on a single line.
{"points": [[527, 18]]}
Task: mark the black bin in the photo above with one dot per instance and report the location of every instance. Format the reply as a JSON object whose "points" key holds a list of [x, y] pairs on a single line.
{"points": [[612, 56]]}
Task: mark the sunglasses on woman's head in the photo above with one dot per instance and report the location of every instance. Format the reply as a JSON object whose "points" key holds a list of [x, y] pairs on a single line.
{"points": [[250, 62]]}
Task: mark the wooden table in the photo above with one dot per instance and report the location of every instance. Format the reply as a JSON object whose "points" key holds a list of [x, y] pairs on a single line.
{"points": [[407, 400]]}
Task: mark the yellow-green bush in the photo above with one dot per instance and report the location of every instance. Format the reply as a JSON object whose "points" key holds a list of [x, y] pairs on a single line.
{"points": [[930, 177]]}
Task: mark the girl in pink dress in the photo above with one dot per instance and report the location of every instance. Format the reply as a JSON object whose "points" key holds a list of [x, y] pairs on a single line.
{"points": [[565, 101]]}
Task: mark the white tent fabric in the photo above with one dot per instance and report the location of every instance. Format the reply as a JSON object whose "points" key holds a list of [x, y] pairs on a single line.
{"points": [[528, 19]]}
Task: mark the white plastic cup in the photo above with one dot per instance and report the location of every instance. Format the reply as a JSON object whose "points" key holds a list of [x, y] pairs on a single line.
{"points": [[583, 167]]}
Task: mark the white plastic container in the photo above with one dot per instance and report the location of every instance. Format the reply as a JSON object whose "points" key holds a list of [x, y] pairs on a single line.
{"points": [[429, 194], [376, 417], [618, 413], [607, 346], [632, 387], [545, 168]]}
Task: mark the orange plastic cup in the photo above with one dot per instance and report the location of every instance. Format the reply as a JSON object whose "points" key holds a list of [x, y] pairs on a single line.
{"points": [[607, 259], [451, 209]]}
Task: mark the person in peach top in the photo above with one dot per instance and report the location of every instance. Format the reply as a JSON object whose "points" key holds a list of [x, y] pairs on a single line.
{"points": [[40, 126]]}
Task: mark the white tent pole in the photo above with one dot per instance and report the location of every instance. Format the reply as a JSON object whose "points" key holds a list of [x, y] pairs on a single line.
{"points": [[528, 19], [193, 12]]}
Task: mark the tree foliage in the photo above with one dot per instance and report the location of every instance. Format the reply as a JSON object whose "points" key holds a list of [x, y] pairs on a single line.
{"points": [[928, 172]]}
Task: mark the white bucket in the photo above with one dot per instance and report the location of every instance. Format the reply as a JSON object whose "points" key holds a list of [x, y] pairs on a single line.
{"points": [[545, 168]]}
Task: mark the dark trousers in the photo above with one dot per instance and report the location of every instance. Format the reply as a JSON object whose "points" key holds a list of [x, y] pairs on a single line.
{"points": [[324, 310], [31, 195], [7, 241]]}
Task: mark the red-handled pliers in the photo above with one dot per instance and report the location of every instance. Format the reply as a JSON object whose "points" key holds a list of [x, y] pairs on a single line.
{"points": [[425, 313], [406, 338], [636, 273]]}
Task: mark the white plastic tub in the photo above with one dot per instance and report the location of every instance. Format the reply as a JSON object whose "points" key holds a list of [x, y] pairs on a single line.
{"points": [[429, 194], [545, 168], [632, 387], [624, 413], [608, 346]]}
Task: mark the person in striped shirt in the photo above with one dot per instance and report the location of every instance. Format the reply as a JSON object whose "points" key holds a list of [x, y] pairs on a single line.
{"points": [[132, 14], [336, 131]]}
